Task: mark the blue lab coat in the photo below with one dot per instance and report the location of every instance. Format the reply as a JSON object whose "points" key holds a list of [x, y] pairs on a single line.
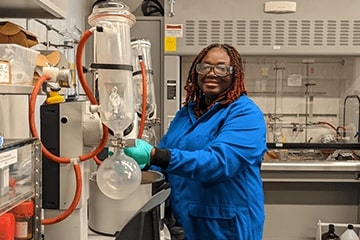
{"points": [[214, 171]]}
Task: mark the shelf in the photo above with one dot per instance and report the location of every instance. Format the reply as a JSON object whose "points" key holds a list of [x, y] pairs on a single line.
{"points": [[33, 9], [354, 146], [339, 225], [285, 94], [15, 89], [13, 198]]}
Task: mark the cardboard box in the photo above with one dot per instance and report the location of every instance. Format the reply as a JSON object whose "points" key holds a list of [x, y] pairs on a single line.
{"points": [[12, 33]]}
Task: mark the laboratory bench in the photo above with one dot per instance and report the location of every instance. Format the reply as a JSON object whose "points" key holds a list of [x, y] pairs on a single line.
{"points": [[301, 192]]}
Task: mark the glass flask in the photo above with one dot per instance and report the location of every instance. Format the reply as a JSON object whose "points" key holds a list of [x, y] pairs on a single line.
{"points": [[112, 59], [142, 48], [118, 175]]}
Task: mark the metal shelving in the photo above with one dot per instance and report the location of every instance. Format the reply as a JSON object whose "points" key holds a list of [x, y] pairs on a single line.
{"points": [[8, 89], [339, 225], [33, 9]]}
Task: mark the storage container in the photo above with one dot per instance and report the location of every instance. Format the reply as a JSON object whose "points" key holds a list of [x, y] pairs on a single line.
{"points": [[24, 220], [7, 226], [17, 64]]}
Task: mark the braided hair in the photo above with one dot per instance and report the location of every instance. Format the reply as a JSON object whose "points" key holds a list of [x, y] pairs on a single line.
{"points": [[193, 91]]}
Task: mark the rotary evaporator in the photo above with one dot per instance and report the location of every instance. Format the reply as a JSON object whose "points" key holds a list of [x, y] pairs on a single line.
{"points": [[117, 199]]}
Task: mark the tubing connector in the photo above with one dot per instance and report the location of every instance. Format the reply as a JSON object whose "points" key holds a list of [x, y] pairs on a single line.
{"points": [[75, 161], [94, 108]]}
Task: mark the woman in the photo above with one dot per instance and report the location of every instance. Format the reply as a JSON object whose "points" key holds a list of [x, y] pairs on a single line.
{"points": [[212, 152]]}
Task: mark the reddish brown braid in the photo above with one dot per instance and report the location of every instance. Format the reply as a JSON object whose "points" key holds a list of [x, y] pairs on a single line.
{"points": [[193, 92]]}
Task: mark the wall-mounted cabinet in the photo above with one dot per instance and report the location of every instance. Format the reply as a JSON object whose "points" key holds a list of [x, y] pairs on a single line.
{"points": [[33, 9]]}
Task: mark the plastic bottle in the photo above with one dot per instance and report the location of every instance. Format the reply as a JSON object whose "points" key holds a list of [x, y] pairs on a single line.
{"points": [[349, 234], [7, 226], [24, 220], [330, 234]]}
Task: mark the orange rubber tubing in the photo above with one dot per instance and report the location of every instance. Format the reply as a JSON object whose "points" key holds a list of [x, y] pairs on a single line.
{"points": [[74, 203], [66, 160], [144, 96], [97, 160], [79, 66], [79, 52]]}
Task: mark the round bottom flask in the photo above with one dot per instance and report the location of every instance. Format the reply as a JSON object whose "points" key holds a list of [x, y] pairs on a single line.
{"points": [[118, 175]]}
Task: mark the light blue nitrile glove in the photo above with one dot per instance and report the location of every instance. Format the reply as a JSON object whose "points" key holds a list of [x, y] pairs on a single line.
{"points": [[141, 153]]}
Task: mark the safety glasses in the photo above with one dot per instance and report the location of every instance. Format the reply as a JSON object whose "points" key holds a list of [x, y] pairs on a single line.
{"points": [[220, 70]]}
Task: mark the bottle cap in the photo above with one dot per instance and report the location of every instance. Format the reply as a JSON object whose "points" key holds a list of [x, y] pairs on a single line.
{"points": [[25, 209]]}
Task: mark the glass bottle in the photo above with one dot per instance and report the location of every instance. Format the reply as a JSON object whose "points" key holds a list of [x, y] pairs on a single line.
{"points": [[24, 220], [330, 234]]}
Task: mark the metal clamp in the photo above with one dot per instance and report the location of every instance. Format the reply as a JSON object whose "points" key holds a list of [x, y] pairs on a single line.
{"points": [[172, 11]]}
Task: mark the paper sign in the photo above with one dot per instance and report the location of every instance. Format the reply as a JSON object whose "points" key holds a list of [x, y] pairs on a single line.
{"points": [[294, 80], [170, 44], [175, 30]]}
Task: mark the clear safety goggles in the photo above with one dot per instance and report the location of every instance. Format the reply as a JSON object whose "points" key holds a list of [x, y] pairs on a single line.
{"points": [[220, 70]]}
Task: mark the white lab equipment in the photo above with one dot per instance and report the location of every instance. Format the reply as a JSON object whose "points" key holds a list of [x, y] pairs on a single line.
{"points": [[112, 56], [141, 53]]}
